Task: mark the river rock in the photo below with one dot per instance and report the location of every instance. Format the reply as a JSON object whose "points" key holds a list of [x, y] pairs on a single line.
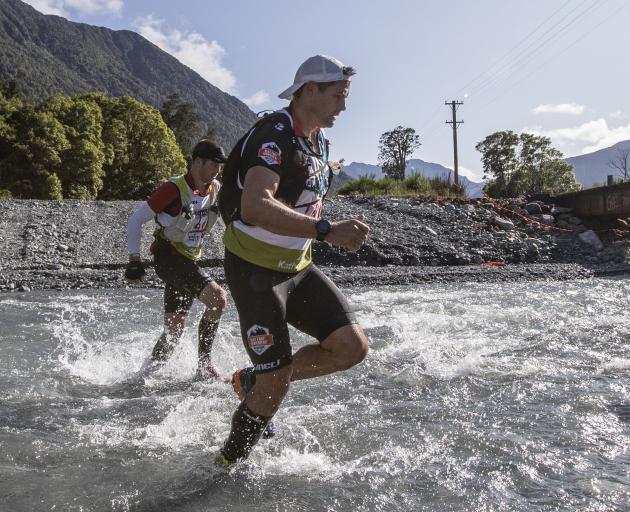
{"points": [[590, 238], [533, 208], [503, 223]]}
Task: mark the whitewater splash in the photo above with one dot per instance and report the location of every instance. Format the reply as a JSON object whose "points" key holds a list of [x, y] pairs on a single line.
{"points": [[473, 397]]}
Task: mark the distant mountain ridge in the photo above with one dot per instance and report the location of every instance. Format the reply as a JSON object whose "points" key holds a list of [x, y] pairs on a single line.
{"points": [[427, 169], [593, 167], [48, 54]]}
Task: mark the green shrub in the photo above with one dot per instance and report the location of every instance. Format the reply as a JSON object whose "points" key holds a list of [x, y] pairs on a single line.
{"points": [[413, 185], [53, 188], [5, 194]]}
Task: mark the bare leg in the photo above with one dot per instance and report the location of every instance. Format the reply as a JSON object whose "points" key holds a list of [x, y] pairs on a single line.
{"points": [[174, 324], [269, 391], [344, 348]]}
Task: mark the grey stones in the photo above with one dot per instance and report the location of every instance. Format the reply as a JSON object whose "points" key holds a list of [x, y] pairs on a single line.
{"points": [[590, 238], [503, 223], [533, 208]]}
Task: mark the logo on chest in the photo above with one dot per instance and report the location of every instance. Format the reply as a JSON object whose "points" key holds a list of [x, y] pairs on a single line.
{"points": [[270, 153]]}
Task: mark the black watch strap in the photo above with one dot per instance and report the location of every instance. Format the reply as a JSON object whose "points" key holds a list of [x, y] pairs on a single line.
{"points": [[322, 227]]}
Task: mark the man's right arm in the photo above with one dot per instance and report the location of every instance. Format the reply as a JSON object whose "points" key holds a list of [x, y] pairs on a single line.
{"points": [[140, 216], [134, 269]]}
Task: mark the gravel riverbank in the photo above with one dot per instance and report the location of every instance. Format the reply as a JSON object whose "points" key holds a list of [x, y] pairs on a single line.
{"points": [[79, 244]]}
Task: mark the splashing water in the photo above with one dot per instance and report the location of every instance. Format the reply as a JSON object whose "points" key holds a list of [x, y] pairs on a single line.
{"points": [[473, 397]]}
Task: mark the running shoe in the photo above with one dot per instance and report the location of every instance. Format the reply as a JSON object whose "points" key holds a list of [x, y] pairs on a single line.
{"points": [[222, 461]]}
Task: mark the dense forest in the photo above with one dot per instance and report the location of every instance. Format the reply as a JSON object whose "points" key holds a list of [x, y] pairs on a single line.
{"points": [[89, 146]]}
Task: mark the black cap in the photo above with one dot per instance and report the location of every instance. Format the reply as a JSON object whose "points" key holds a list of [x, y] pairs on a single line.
{"points": [[209, 150]]}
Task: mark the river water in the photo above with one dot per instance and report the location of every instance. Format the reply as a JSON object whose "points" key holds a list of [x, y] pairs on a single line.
{"points": [[473, 397]]}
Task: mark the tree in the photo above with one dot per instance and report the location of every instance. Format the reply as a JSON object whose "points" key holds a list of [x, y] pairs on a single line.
{"points": [[81, 169], [84, 147], [53, 187], [182, 118], [394, 147], [33, 154], [141, 151], [524, 164], [498, 156], [621, 163], [556, 176], [10, 89]]}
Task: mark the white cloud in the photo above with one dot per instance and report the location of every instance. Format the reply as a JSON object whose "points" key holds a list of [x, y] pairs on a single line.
{"points": [[257, 99], [192, 49], [563, 108], [617, 114], [48, 6], [590, 136], [61, 7]]}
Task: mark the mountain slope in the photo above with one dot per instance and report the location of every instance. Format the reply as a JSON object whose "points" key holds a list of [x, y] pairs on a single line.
{"points": [[428, 169], [49, 54], [593, 167]]}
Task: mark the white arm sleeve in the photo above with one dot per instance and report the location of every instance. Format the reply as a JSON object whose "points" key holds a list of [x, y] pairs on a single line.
{"points": [[142, 215]]}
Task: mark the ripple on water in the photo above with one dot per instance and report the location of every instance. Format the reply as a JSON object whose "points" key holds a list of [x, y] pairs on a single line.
{"points": [[508, 397]]}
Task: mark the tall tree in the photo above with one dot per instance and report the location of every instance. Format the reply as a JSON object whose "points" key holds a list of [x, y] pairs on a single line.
{"points": [[556, 177], [394, 148], [498, 157], [182, 118], [141, 150], [524, 164], [33, 154], [81, 169]]}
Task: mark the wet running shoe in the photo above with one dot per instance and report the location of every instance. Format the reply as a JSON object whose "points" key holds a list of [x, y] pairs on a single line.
{"points": [[222, 460], [243, 381], [207, 373]]}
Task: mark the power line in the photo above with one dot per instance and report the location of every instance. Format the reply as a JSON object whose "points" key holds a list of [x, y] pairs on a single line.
{"points": [[430, 119], [557, 54], [516, 46], [523, 58]]}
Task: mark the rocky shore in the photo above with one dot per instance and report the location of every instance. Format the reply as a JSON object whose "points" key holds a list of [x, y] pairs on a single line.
{"points": [[77, 244]]}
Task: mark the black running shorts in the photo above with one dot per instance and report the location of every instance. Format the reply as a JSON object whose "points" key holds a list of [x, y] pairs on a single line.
{"points": [[268, 300], [183, 279]]}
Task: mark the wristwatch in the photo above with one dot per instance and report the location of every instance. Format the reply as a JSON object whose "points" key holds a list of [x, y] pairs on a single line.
{"points": [[322, 227]]}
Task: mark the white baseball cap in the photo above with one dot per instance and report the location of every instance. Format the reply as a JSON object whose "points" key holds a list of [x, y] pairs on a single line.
{"points": [[319, 68]]}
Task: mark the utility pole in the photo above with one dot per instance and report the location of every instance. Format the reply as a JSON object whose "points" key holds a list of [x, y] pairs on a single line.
{"points": [[454, 104]]}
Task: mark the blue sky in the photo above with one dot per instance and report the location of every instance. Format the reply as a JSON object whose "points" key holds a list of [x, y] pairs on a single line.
{"points": [[553, 67]]}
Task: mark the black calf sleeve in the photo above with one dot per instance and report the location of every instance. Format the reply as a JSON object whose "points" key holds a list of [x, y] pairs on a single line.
{"points": [[207, 330], [247, 428], [163, 348]]}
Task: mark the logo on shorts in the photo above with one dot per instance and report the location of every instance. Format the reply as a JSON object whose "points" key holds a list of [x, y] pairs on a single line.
{"points": [[270, 153], [262, 367], [259, 339]]}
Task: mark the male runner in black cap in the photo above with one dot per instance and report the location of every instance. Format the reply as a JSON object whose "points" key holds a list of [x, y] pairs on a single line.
{"points": [[184, 210]]}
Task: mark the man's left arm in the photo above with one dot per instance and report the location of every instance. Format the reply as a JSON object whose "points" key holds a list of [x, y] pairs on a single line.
{"points": [[260, 208]]}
